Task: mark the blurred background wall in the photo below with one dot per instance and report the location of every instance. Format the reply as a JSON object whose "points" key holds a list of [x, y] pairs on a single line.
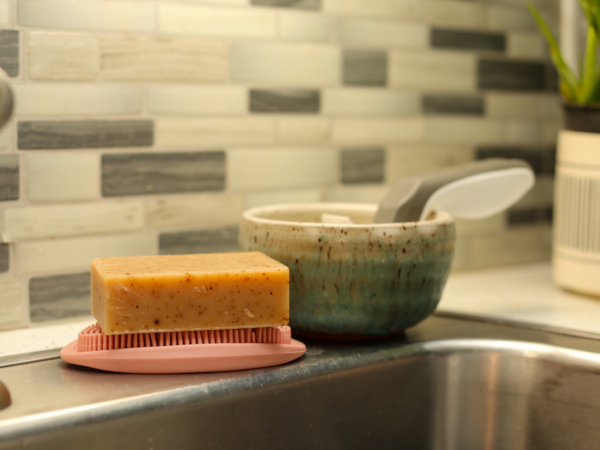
{"points": [[147, 127]]}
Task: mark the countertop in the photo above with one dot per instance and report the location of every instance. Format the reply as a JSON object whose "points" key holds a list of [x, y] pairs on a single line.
{"points": [[522, 293], [449, 382]]}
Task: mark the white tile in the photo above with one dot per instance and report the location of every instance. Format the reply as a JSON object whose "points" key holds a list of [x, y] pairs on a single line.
{"points": [[76, 99], [288, 64], [395, 9], [214, 21], [62, 56], [460, 260], [256, 199], [356, 194], [290, 168], [523, 105], [32, 222], [303, 130], [369, 102], [6, 135], [433, 71], [4, 11], [454, 13], [465, 130], [377, 131], [209, 132], [526, 45], [517, 245], [496, 223], [381, 33], [86, 15], [465, 229], [522, 132], [12, 313], [63, 177], [193, 100], [145, 58], [195, 211], [301, 26], [413, 159], [507, 18], [222, 2], [77, 253]]}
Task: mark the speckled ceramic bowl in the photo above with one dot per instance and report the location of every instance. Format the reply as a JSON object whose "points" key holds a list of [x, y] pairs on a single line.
{"points": [[353, 281]]}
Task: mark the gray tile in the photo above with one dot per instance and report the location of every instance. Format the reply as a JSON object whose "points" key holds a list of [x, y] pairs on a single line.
{"points": [[453, 104], [300, 4], [519, 217], [511, 75], [4, 257], [284, 100], [9, 177], [162, 173], [362, 166], [468, 40], [9, 52], [221, 240], [365, 67], [542, 160], [64, 134], [59, 297], [551, 79]]}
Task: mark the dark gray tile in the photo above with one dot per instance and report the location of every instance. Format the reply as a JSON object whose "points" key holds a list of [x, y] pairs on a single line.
{"points": [[365, 68], [467, 40], [9, 177], [221, 240], [9, 52], [4, 257], [59, 296], [362, 166], [518, 217], [162, 173], [453, 104], [64, 134], [511, 75], [551, 79], [300, 4], [542, 160], [284, 101]]}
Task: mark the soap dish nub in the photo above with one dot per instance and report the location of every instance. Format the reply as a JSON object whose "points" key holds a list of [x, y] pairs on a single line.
{"points": [[183, 351]]}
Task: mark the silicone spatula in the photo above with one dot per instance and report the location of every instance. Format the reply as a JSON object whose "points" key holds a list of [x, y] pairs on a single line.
{"points": [[470, 191]]}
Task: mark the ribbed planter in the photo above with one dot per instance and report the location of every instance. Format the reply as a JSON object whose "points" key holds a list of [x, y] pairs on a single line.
{"points": [[576, 246]]}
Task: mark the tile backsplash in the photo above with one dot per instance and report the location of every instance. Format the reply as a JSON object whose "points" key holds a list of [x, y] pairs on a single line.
{"points": [[148, 126]]}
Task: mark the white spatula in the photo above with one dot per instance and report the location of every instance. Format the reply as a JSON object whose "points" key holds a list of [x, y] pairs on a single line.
{"points": [[471, 191]]}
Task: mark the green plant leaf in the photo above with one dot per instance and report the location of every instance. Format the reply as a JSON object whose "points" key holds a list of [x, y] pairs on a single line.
{"points": [[588, 72], [569, 85], [594, 98], [591, 9]]}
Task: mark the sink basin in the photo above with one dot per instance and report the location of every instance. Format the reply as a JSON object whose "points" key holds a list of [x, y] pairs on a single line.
{"points": [[451, 383]]}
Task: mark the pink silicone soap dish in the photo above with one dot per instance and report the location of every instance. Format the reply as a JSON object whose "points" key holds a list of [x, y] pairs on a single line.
{"points": [[183, 351]]}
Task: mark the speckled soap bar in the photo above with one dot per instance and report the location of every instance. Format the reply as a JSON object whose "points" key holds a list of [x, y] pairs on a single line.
{"points": [[189, 292]]}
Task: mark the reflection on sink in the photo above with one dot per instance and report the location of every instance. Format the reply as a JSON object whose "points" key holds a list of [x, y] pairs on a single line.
{"points": [[509, 395], [450, 384]]}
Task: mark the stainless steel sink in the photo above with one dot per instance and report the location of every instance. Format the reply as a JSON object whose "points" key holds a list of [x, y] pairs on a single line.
{"points": [[452, 383]]}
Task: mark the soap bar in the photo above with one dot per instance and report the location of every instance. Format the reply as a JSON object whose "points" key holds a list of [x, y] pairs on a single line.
{"points": [[189, 292]]}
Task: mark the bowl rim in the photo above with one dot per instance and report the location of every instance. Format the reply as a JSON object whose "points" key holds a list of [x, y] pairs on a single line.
{"points": [[250, 215]]}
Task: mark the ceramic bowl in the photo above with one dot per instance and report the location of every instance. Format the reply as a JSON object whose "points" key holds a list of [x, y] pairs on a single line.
{"points": [[357, 281]]}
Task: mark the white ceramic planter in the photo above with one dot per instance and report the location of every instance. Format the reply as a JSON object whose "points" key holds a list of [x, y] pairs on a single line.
{"points": [[576, 246]]}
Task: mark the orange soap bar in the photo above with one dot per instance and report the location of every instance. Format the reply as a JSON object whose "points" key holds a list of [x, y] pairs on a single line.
{"points": [[189, 292]]}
